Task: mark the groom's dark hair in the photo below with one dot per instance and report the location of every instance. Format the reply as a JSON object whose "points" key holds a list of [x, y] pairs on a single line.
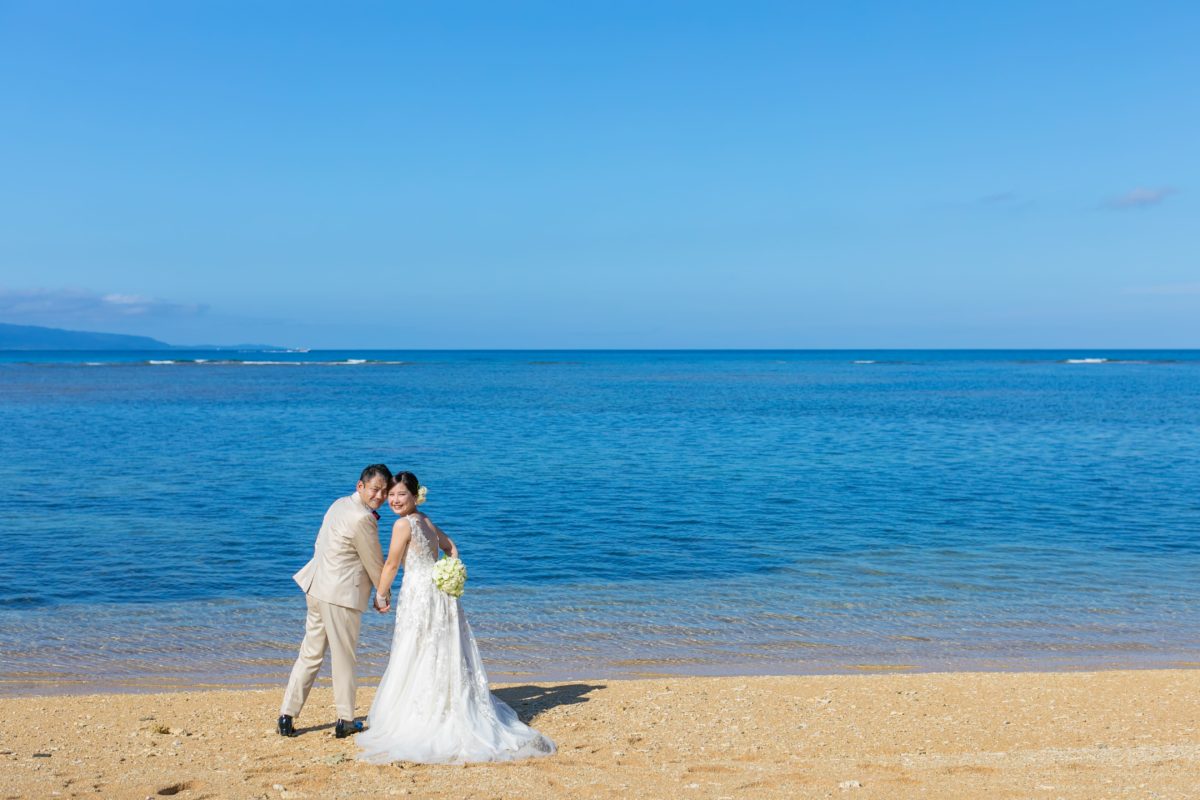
{"points": [[376, 471]]}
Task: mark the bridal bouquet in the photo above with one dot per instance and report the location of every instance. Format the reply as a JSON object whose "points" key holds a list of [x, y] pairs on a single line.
{"points": [[450, 575]]}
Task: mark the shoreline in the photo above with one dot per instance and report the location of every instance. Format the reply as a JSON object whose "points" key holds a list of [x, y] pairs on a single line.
{"points": [[16, 686], [1112, 733]]}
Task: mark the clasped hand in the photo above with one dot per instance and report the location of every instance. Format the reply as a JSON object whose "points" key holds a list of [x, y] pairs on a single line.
{"points": [[383, 603]]}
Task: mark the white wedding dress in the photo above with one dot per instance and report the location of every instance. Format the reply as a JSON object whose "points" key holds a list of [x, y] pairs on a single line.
{"points": [[433, 704]]}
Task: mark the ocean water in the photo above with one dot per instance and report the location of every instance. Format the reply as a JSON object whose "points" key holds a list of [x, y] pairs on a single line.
{"points": [[621, 513]]}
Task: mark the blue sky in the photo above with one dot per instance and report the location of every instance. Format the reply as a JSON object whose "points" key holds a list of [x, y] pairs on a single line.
{"points": [[603, 174]]}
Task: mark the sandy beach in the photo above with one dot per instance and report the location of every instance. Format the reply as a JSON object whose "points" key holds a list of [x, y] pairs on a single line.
{"points": [[1114, 734]]}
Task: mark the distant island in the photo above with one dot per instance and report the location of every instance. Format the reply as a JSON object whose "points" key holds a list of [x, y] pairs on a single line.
{"points": [[33, 337]]}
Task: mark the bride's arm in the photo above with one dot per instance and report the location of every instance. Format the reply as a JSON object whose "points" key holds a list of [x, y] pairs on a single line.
{"points": [[445, 542], [397, 547]]}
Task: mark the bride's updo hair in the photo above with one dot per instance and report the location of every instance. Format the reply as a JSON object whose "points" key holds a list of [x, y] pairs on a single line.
{"points": [[409, 480]]}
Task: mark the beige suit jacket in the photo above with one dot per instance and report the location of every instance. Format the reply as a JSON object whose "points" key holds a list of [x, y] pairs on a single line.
{"points": [[347, 558]]}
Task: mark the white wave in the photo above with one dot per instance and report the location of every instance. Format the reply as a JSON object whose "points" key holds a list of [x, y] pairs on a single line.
{"points": [[864, 362], [1086, 361], [157, 363], [265, 363]]}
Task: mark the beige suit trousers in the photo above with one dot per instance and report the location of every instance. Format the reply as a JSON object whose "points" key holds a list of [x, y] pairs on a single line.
{"points": [[335, 628]]}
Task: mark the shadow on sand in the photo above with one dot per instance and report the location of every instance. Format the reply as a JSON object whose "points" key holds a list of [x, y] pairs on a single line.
{"points": [[328, 726], [529, 701]]}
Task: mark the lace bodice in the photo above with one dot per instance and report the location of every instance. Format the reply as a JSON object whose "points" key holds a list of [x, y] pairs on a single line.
{"points": [[422, 546], [417, 590]]}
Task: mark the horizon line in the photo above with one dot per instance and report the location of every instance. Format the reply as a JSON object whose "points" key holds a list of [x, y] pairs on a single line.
{"points": [[301, 351]]}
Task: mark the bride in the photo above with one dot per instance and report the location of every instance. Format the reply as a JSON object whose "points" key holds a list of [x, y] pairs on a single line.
{"points": [[433, 704]]}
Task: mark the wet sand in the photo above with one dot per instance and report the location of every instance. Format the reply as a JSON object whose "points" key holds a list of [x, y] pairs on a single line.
{"points": [[1118, 734]]}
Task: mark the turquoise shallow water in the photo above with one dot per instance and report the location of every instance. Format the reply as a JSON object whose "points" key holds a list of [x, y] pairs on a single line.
{"points": [[621, 512]]}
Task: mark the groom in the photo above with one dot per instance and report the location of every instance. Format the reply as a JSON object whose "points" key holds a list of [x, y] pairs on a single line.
{"points": [[337, 584]]}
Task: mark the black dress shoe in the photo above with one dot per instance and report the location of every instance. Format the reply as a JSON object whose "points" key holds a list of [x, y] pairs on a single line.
{"points": [[286, 728], [345, 728]]}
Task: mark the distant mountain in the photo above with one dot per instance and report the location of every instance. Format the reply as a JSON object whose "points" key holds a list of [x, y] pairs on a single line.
{"points": [[33, 337]]}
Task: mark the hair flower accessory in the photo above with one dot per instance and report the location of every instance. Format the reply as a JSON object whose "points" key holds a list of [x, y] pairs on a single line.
{"points": [[421, 494]]}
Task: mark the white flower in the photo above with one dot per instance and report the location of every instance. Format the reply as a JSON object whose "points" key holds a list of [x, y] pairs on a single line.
{"points": [[450, 575], [421, 494]]}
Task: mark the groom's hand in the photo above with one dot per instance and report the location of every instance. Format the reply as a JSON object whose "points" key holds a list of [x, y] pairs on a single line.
{"points": [[383, 603]]}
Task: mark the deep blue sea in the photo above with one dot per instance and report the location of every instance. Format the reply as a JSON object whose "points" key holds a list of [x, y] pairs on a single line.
{"points": [[621, 513]]}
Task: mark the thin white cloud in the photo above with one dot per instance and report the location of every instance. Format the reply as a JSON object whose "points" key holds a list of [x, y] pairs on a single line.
{"points": [[66, 307], [1140, 197]]}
